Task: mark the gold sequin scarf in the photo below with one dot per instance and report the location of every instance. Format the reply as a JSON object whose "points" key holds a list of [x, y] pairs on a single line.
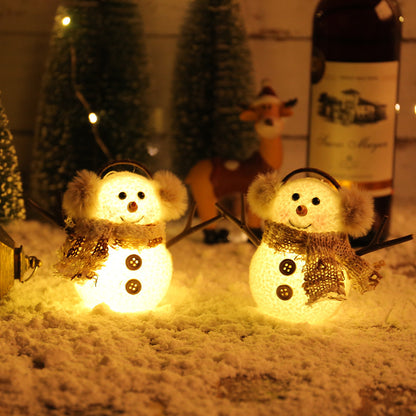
{"points": [[85, 249], [327, 255]]}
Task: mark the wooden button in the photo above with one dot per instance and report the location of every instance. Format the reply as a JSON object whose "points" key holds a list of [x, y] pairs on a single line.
{"points": [[287, 267], [284, 292], [133, 262], [133, 287]]}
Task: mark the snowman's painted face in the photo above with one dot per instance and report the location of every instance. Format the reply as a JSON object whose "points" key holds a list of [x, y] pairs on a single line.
{"points": [[128, 197], [308, 204]]}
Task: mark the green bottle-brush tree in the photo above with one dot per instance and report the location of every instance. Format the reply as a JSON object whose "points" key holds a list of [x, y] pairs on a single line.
{"points": [[97, 63], [213, 79], [11, 190]]}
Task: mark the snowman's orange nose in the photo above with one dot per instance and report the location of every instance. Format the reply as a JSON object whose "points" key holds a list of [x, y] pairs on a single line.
{"points": [[301, 210], [132, 206]]}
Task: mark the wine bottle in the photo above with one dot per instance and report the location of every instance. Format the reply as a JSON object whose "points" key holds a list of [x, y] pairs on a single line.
{"points": [[353, 99]]}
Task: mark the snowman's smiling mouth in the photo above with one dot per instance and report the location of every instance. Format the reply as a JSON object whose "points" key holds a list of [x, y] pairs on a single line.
{"points": [[298, 226], [132, 222]]}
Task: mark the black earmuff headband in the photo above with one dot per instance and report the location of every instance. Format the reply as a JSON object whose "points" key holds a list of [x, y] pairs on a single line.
{"points": [[135, 167], [313, 170]]}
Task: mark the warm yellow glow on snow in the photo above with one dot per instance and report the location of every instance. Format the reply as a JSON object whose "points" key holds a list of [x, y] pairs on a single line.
{"points": [[147, 280]]}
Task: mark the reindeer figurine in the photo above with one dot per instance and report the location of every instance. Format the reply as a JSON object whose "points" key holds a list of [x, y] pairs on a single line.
{"points": [[213, 179]]}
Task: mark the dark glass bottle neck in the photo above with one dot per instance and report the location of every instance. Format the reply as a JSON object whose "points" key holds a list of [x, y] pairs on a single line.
{"points": [[356, 30]]}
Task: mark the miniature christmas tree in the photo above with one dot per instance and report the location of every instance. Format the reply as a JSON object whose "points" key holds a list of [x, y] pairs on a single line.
{"points": [[213, 78], [93, 104], [11, 189]]}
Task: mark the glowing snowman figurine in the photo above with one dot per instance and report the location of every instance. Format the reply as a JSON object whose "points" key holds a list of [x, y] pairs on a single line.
{"points": [[115, 250], [304, 265]]}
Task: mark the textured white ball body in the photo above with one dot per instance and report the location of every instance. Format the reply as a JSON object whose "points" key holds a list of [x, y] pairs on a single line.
{"points": [[276, 277], [282, 295], [130, 281]]}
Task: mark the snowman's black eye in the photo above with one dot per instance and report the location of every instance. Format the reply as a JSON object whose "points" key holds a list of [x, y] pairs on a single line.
{"points": [[122, 195], [295, 196], [316, 201], [141, 195]]}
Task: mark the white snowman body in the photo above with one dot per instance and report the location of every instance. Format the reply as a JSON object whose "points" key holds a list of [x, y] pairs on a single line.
{"points": [[276, 284], [276, 277], [132, 278]]}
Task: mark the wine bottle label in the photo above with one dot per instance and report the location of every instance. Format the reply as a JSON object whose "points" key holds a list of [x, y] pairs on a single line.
{"points": [[352, 123]]}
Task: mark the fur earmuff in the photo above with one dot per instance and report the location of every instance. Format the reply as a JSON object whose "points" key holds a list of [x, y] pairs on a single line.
{"points": [[358, 211], [261, 193], [172, 193], [80, 198]]}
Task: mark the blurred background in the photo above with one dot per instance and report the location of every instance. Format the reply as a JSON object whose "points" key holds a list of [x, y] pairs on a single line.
{"points": [[279, 37]]}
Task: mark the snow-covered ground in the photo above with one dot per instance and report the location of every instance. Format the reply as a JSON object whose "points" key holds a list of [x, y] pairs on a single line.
{"points": [[207, 350]]}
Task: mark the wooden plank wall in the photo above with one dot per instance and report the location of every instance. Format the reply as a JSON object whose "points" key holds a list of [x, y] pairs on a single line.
{"points": [[279, 33]]}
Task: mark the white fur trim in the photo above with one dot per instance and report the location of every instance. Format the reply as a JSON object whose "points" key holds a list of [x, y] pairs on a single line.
{"points": [[265, 99], [358, 211], [80, 198], [173, 195], [262, 192]]}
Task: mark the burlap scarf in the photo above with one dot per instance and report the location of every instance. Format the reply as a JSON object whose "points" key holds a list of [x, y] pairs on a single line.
{"points": [[327, 255], [86, 247]]}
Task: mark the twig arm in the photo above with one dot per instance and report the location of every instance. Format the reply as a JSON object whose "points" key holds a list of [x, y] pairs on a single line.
{"points": [[377, 235], [240, 224], [378, 246], [375, 243], [44, 213], [188, 229]]}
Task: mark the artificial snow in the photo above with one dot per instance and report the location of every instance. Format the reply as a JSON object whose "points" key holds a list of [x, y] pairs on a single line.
{"points": [[207, 350]]}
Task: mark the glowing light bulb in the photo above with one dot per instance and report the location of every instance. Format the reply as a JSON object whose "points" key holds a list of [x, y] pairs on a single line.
{"points": [[66, 21], [414, 109], [397, 107], [93, 118]]}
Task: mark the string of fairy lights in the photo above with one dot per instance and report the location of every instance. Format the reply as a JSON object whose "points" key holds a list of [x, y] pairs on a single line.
{"points": [[92, 117]]}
